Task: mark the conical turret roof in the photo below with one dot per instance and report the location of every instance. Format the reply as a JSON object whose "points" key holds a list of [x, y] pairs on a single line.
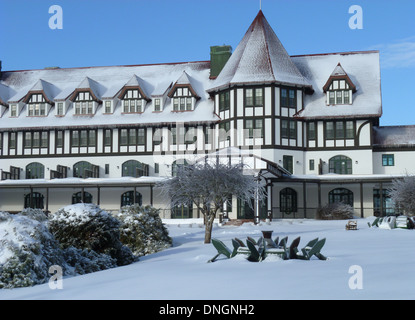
{"points": [[260, 58]]}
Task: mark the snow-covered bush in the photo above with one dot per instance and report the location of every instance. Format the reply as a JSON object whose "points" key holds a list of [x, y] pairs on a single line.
{"points": [[87, 226], [27, 250], [335, 211], [142, 230], [86, 261], [402, 195]]}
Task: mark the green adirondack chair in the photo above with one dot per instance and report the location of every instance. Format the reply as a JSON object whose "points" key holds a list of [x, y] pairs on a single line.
{"points": [[222, 249]]}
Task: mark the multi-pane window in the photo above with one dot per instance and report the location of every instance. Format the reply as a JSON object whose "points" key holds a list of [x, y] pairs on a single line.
{"points": [[157, 104], [288, 200], [133, 101], [288, 129], [128, 198], [224, 131], [288, 98], [84, 169], [84, 104], [107, 137], [59, 109], [36, 139], [339, 130], [254, 128], [311, 131], [341, 195], [12, 140], [132, 137], [224, 101], [340, 165], [81, 197], [176, 165], [35, 170], [382, 203], [288, 163], [83, 138], [34, 200], [108, 107], [133, 168], [183, 100], [13, 110], [388, 160], [59, 139], [339, 92], [36, 106], [254, 97]]}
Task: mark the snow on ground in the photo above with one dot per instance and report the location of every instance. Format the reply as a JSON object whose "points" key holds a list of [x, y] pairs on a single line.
{"points": [[386, 258]]}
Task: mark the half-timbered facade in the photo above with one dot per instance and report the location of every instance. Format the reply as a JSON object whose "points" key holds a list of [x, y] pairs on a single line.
{"points": [[108, 134]]}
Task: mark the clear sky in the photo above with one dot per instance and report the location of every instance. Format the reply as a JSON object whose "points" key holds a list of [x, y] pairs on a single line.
{"points": [[124, 32]]}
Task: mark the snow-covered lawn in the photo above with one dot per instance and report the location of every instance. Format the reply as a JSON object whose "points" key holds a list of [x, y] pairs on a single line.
{"points": [[386, 259]]}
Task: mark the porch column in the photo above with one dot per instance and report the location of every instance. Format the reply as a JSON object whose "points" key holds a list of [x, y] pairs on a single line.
{"points": [[151, 195], [269, 200], [305, 199], [47, 201], [99, 196], [381, 200], [361, 200]]}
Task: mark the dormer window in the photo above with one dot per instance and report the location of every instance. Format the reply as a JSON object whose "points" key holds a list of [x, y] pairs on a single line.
{"points": [[183, 94], [339, 93], [84, 104], [37, 106], [13, 110], [183, 100], [157, 105], [133, 101], [339, 88]]}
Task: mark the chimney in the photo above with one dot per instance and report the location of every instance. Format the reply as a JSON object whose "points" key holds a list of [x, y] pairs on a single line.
{"points": [[219, 55]]}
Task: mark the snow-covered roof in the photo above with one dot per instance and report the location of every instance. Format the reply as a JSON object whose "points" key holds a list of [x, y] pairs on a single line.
{"points": [[260, 57], [106, 82], [5, 93], [48, 90], [363, 69], [394, 136], [78, 182]]}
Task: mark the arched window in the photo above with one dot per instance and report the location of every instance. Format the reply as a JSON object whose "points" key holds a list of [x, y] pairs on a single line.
{"points": [[341, 195], [288, 200], [340, 165], [35, 170], [127, 198], [34, 200], [77, 197], [133, 168], [84, 169], [175, 166]]}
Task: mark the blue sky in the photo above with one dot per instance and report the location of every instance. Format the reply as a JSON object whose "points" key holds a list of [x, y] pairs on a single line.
{"points": [[123, 32]]}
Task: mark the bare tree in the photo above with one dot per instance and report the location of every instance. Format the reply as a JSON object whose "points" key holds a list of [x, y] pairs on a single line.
{"points": [[402, 194], [208, 186]]}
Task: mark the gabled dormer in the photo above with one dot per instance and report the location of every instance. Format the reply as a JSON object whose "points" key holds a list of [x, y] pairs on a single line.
{"points": [[339, 88], [183, 94], [159, 95], [39, 99], [134, 96], [86, 97]]}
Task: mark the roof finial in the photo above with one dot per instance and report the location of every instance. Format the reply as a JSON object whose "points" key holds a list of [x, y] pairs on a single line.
{"points": [[260, 5]]}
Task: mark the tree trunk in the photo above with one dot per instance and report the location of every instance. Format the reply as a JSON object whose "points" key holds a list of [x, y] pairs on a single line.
{"points": [[208, 227]]}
